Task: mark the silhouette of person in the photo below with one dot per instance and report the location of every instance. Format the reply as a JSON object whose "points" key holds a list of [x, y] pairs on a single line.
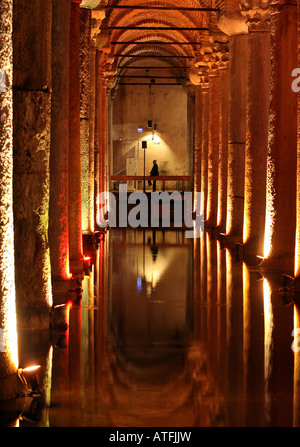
{"points": [[153, 173]]}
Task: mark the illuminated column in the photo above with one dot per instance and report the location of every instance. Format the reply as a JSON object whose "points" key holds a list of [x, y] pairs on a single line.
{"points": [[282, 149], [32, 113], [197, 142], [8, 332], [223, 150], [237, 135], [257, 130], [92, 128], [85, 56], [75, 236], [59, 151], [213, 147], [297, 254], [204, 145], [103, 156]]}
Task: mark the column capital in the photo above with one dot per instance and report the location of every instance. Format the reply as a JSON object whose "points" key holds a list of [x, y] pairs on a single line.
{"points": [[233, 24], [258, 16]]}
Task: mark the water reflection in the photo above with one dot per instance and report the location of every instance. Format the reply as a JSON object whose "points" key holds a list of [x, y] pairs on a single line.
{"points": [[169, 332]]}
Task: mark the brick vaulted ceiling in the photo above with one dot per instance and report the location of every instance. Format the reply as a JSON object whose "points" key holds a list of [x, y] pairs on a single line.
{"points": [[180, 34]]}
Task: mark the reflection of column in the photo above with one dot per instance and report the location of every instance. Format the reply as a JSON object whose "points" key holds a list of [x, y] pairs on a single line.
{"points": [[257, 133], [222, 357], [196, 290], [295, 346], [282, 154], [74, 147], [59, 150], [204, 145], [213, 148], [32, 111], [278, 355], [253, 336], [203, 287], [223, 156], [237, 134], [85, 50], [8, 335], [212, 308], [234, 328]]}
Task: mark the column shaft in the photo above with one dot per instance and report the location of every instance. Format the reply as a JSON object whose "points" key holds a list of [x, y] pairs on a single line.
{"points": [[237, 135], [85, 50], [8, 338], [213, 151], [204, 148], [297, 254], [197, 143], [92, 128], [59, 152], [223, 150], [256, 141], [75, 236], [282, 154], [32, 113]]}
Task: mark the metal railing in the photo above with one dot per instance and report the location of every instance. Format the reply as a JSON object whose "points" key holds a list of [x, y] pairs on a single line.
{"points": [[183, 179]]}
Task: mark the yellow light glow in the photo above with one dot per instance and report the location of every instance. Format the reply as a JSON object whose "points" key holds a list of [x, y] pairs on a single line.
{"points": [[31, 368], [268, 325], [8, 307]]}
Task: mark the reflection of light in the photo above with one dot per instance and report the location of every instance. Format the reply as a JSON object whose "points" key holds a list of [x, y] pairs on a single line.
{"points": [[139, 283], [268, 322], [30, 369]]}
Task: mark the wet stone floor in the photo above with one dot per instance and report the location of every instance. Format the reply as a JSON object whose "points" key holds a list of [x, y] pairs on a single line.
{"points": [[171, 332]]}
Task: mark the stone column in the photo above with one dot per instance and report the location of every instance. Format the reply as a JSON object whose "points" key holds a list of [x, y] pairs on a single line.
{"points": [[85, 56], [204, 147], [223, 149], [8, 332], [237, 135], [59, 152], [258, 103], [75, 235], [32, 113], [103, 160], [297, 254], [197, 143], [213, 148], [280, 223], [92, 128]]}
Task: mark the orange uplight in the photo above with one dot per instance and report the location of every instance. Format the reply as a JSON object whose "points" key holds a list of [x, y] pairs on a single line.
{"points": [[86, 258], [31, 368]]}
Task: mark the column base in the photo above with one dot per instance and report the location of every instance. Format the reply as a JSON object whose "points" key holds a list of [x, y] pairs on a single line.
{"points": [[60, 290], [280, 264]]}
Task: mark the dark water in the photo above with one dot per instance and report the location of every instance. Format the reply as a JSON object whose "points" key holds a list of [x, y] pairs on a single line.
{"points": [[174, 332]]}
